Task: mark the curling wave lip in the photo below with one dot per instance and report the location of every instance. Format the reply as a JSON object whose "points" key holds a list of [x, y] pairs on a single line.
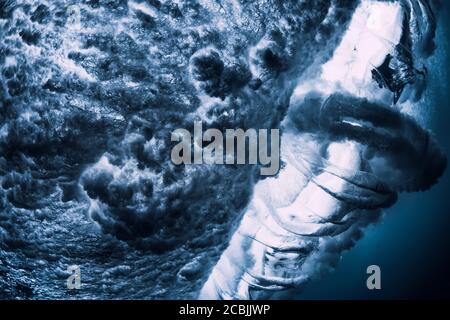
{"points": [[386, 132]]}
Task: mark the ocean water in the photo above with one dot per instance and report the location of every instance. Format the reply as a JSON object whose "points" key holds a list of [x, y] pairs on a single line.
{"points": [[85, 173], [411, 243]]}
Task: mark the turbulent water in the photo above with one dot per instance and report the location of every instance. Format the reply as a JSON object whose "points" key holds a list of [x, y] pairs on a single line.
{"points": [[91, 91]]}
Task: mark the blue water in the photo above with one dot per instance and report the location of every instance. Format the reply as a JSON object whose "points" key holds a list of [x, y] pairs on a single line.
{"points": [[411, 244]]}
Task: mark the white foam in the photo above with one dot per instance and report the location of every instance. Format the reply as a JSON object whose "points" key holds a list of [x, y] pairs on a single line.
{"points": [[374, 30]]}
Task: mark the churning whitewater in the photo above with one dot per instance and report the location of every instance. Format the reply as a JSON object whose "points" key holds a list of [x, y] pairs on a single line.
{"points": [[91, 92]]}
